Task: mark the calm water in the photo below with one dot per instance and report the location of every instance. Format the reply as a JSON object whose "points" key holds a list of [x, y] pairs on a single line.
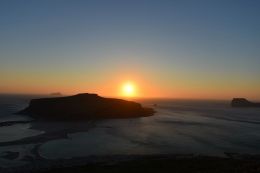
{"points": [[179, 126]]}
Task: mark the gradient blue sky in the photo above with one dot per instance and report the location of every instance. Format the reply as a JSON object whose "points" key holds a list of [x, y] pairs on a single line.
{"points": [[176, 48]]}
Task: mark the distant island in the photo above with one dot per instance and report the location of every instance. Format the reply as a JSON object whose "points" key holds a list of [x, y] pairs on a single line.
{"points": [[242, 102], [84, 107], [56, 94]]}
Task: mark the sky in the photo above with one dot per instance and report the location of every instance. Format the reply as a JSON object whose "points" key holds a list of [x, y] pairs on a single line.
{"points": [[203, 49]]}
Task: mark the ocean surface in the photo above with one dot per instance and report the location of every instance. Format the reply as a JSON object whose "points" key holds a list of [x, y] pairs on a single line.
{"points": [[178, 127]]}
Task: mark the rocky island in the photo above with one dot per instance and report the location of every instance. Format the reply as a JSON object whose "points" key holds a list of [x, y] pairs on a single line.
{"points": [[242, 102], [84, 107]]}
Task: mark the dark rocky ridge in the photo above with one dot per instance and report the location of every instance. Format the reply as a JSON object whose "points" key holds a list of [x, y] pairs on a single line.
{"points": [[83, 107], [242, 102]]}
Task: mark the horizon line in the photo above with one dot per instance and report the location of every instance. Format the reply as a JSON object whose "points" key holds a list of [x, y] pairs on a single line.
{"points": [[122, 97]]}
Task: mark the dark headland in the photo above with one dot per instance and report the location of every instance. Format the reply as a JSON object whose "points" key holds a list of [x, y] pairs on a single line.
{"points": [[83, 107], [242, 102]]}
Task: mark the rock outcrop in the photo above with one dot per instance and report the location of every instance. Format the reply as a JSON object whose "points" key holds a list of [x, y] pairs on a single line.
{"points": [[242, 102], [84, 107]]}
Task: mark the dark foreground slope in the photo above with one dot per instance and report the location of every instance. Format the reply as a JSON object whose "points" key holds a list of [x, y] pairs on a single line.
{"points": [[84, 107], [161, 164]]}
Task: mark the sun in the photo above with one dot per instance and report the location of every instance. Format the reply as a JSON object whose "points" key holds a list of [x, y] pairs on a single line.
{"points": [[128, 89]]}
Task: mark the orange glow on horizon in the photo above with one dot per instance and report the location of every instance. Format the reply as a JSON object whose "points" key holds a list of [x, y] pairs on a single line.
{"points": [[139, 85]]}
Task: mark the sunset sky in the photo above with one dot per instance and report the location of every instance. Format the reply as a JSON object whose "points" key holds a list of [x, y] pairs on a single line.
{"points": [[206, 49]]}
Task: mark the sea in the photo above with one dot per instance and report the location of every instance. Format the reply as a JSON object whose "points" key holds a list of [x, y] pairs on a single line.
{"points": [[200, 127]]}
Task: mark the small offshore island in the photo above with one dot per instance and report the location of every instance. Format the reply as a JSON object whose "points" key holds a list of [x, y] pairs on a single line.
{"points": [[84, 107], [242, 102]]}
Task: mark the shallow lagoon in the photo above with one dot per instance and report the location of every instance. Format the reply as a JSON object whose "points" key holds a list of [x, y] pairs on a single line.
{"points": [[178, 127]]}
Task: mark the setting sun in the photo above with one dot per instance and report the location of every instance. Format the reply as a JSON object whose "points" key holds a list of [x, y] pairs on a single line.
{"points": [[128, 90]]}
